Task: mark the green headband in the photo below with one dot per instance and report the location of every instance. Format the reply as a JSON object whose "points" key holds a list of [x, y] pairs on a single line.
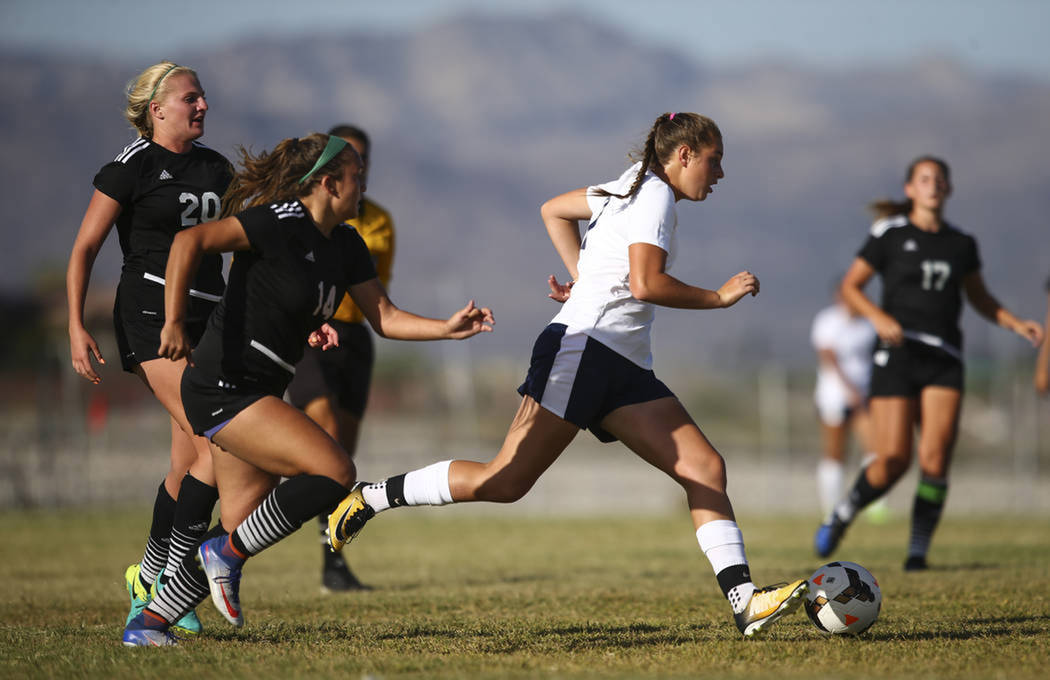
{"points": [[159, 81], [331, 150]]}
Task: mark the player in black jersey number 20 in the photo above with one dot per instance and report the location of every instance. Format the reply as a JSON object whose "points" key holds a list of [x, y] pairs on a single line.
{"points": [[925, 265], [292, 266], [161, 183]]}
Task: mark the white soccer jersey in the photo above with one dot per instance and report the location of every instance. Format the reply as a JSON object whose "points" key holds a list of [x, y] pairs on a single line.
{"points": [[852, 340], [601, 305]]}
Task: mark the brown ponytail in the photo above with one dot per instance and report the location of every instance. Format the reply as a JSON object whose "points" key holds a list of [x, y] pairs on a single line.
{"points": [[274, 175], [887, 207], [668, 133]]}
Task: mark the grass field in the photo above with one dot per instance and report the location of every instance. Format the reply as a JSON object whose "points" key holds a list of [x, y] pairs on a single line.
{"points": [[462, 593]]}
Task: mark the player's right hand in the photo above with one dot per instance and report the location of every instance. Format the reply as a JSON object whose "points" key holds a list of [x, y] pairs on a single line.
{"points": [[82, 347], [174, 343], [560, 292]]}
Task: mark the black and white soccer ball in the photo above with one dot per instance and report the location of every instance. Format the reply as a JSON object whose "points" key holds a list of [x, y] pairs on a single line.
{"points": [[843, 598]]}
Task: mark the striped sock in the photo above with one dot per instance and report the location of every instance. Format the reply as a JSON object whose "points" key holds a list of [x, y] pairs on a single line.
{"points": [[926, 513], [284, 511], [157, 545], [192, 515], [186, 588]]}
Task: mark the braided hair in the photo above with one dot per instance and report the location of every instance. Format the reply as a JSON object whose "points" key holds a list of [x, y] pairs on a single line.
{"points": [[668, 133]]}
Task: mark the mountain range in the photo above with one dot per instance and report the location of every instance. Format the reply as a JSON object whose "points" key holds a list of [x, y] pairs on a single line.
{"points": [[477, 120]]}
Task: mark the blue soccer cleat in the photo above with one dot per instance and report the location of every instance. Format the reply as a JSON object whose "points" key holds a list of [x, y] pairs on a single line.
{"points": [[148, 630], [829, 535], [224, 578]]}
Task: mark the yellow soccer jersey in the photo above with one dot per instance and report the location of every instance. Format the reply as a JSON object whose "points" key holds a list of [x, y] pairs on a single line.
{"points": [[376, 227]]}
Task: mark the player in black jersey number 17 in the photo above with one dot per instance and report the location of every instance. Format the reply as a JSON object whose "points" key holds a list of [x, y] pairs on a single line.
{"points": [[926, 266]]}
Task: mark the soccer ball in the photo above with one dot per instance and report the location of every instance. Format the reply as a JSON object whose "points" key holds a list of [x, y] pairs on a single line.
{"points": [[843, 598]]}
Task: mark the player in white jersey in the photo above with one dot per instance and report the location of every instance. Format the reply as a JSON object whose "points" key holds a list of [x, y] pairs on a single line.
{"points": [[843, 341], [591, 367]]}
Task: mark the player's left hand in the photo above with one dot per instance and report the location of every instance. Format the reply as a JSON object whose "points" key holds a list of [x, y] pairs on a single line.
{"points": [[741, 284], [470, 321], [324, 337]]}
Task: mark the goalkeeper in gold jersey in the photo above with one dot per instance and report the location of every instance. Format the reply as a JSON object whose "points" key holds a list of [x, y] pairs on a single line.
{"points": [[332, 386]]}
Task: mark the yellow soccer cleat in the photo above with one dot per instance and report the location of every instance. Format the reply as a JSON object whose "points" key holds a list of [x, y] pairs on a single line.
{"points": [[138, 593], [348, 519], [770, 604]]}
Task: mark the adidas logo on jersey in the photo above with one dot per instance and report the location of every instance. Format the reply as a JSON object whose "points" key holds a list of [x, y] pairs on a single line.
{"points": [[164, 174], [310, 257], [910, 246]]}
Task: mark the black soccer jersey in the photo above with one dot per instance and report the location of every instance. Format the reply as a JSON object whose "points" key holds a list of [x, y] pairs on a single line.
{"points": [[922, 274], [281, 290], [161, 193]]}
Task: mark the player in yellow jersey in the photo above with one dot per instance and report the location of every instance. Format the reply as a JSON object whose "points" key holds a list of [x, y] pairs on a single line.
{"points": [[332, 386]]}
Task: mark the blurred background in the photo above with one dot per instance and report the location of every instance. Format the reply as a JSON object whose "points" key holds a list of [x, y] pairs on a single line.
{"points": [[480, 111]]}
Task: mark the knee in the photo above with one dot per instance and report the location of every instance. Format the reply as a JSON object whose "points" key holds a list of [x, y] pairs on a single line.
{"points": [[896, 465], [345, 473], [708, 471], [503, 488]]}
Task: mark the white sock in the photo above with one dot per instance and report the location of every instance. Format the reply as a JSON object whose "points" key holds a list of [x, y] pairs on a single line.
{"points": [[429, 485], [375, 496], [426, 486], [829, 483], [723, 544]]}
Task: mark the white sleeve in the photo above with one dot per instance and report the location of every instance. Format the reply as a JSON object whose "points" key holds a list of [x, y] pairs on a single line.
{"points": [[652, 216], [595, 201], [824, 331]]}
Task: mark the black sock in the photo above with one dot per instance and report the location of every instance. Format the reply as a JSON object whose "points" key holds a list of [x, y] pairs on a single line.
{"points": [[157, 545], [322, 521], [926, 513], [395, 491], [284, 511], [192, 515], [733, 576], [860, 496]]}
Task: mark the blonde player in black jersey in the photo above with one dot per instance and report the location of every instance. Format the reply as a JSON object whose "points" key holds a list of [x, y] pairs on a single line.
{"points": [[331, 386], [161, 183], [294, 263], [926, 265]]}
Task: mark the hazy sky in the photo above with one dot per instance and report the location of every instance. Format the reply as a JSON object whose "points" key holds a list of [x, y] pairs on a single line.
{"points": [[990, 35]]}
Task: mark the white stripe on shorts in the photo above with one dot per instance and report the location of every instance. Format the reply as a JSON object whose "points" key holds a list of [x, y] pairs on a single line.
{"points": [[193, 292], [563, 373], [272, 356]]}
